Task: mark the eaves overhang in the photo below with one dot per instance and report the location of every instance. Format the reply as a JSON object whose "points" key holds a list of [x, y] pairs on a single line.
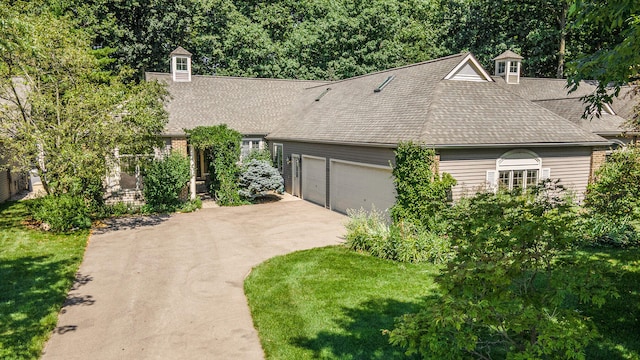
{"points": [[446, 146]]}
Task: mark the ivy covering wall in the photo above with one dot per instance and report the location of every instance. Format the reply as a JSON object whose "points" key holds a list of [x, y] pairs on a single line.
{"points": [[223, 145]]}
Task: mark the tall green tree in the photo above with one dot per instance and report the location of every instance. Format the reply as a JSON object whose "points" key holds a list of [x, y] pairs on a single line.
{"points": [[616, 63], [62, 112]]}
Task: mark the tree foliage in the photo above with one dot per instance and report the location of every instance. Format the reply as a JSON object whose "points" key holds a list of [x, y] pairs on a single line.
{"points": [[223, 145], [257, 178], [334, 39], [613, 200], [63, 112], [613, 64], [164, 181], [508, 292], [421, 192]]}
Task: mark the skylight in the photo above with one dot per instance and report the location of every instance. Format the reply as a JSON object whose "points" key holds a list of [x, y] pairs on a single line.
{"points": [[384, 83]]}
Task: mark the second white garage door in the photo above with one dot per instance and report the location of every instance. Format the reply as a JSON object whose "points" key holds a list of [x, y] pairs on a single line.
{"points": [[357, 185], [314, 179]]}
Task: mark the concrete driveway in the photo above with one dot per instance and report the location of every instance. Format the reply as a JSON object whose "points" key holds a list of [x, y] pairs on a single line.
{"points": [[172, 287]]}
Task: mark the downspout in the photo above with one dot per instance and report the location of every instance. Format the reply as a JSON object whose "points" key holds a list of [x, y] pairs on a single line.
{"points": [[192, 171]]}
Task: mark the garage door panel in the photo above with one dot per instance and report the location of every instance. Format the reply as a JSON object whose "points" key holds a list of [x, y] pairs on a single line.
{"points": [[355, 186], [314, 180]]}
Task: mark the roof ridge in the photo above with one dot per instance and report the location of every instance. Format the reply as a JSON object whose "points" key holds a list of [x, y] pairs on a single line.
{"points": [[244, 78], [448, 57]]}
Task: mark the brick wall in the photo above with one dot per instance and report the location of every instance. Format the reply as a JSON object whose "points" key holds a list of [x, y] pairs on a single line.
{"points": [[179, 145], [435, 167], [598, 158]]}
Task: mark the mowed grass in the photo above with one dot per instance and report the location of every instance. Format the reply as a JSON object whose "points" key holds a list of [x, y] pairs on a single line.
{"points": [[36, 271], [332, 303], [618, 321]]}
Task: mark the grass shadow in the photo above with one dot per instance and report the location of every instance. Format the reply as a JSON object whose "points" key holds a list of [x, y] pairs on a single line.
{"points": [[618, 320], [360, 335], [31, 291]]}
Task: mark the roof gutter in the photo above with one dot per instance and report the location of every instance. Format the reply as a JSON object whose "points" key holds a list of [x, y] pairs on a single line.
{"points": [[445, 146]]}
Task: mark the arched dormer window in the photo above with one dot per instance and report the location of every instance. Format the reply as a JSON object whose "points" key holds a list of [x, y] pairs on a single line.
{"points": [[517, 169]]}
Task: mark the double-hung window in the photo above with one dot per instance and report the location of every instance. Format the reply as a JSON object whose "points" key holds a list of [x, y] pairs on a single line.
{"points": [[250, 145], [181, 63]]}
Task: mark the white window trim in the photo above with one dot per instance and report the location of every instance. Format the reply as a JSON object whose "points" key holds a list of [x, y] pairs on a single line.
{"points": [[175, 71], [251, 141], [279, 166], [518, 159]]}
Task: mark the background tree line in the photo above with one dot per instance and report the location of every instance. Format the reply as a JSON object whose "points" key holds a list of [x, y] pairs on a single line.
{"points": [[333, 39]]}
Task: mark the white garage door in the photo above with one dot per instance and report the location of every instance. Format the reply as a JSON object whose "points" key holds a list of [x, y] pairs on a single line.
{"points": [[314, 179], [357, 185]]}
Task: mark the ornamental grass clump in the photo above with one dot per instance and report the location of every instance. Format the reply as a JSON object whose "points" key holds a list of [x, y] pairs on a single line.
{"points": [[370, 232]]}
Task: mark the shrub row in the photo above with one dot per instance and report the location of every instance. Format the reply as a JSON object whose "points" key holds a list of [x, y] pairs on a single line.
{"points": [[370, 232]]}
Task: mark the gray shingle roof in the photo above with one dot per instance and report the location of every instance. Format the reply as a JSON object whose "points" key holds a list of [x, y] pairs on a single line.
{"points": [[552, 94], [180, 51], [508, 55], [248, 105], [418, 105], [625, 104], [468, 113], [353, 113]]}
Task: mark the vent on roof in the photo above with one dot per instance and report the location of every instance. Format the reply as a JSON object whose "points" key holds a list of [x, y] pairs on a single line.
{"points": [[385, 83], [323, 94]]}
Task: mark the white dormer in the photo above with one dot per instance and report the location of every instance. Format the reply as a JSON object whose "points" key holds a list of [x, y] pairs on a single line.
{"points": [[507, 65], [469, 69], [181, 65]]}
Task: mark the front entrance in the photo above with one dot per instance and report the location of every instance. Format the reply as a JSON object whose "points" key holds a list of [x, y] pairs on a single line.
{"points": [[295, 175]]}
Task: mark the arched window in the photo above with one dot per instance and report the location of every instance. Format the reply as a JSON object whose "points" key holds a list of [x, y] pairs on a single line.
{"points": [[517, 169]]}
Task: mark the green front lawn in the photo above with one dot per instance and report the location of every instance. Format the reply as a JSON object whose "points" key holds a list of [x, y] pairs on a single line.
{"points": [[332, 303], [36, 272]]}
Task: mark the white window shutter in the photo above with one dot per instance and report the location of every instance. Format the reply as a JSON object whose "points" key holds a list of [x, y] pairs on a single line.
{"points": [[491, 179], [546, 174]]}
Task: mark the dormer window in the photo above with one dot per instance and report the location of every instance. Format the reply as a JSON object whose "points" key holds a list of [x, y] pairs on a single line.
{"points": [[508, 66], [181, 64]]}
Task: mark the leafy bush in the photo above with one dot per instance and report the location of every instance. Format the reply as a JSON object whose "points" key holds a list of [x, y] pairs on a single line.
{"points": [[404, 241], [612, 203], [508, 292], [263, 154], [117, 209], [61, 213], [190, 206], [603, 230], [164, 180], [258, 178], [422, 194], [615, 192]]}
